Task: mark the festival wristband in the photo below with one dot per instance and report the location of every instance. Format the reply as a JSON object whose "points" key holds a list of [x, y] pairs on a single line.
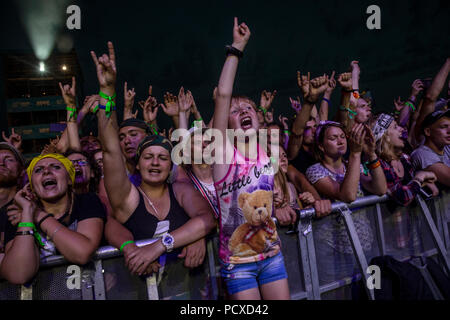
{"points": [[124, 244], [351, 113], [410, 105], [328, 101], [263, 110], [35, 233], [374, 165], [287, 132], [152, 127], [110, 105], [94, 111], [193, 122], [73, 111]]}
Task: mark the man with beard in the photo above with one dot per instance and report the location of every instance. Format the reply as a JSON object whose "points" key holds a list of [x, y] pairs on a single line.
{"points": [[11, 168]]}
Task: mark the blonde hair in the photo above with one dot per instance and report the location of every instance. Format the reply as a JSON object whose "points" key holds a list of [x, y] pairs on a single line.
{"points": [[282, 182], [384, 148]]}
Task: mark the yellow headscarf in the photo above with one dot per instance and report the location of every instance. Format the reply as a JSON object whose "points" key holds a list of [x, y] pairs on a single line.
{"points": [[65, 162]]}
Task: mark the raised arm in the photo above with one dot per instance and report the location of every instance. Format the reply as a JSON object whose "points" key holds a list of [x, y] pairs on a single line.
{"points": [[117, 184], [241, 35], [431, 96], [326, 100], [68, 93], [128, 98]]}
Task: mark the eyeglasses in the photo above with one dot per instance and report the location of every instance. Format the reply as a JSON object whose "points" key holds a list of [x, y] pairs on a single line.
{"points": [[80, 162]]}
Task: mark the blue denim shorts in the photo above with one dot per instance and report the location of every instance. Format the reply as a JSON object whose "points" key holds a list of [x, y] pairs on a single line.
{"points": [[240, 277]]}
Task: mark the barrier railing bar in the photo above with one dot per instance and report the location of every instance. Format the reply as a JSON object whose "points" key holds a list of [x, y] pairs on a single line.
{"points": [[26, 293], [87, 292], [99, 281], [380, 230], [303, 254], [299, 295], [357, 249], [336, 206], [435, 235], [212, 268], [313, 265], [444, 221], [348, 280]]}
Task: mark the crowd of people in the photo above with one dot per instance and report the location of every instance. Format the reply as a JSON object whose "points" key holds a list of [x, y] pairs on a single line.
{"points": [[123, 186]]}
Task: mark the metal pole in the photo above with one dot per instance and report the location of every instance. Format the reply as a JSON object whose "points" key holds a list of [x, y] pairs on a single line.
{"points": [[380, 230], [434, 233], [303, 253], [357, 249], [99, 281]]}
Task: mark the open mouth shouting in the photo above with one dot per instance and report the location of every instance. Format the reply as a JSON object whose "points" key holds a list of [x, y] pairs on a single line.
{"points": [[246, 123], [49, 184]]}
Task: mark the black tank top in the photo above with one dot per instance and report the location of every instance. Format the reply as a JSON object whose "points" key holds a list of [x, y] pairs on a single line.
{"points": [[143, 224]]}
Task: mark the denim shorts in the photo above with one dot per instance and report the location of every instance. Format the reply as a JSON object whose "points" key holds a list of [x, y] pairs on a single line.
{"points": [[240, 277]]}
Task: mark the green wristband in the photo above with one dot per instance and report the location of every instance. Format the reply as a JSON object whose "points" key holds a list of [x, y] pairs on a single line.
{"points": [[410, 105], [36, 234], [287, 132], [263, 110], [124, 244], [109, 107]]}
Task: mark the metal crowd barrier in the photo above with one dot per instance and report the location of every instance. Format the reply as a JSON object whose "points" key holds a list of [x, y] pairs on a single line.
{"points": [[315, 270]]}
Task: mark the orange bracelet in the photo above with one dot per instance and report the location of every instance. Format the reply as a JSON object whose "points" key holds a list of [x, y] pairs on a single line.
{"points": [[375, 165], [356, 94]]}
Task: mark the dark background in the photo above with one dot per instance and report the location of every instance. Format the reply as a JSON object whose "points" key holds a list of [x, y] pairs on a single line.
{"points": [[173, 43]]}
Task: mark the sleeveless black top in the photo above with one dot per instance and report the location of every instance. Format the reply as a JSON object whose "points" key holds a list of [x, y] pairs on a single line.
{"points": [[143, 225]]}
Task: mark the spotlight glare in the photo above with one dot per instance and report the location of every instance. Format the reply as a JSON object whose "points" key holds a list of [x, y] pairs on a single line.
{"points": [[41, 67], [64, 67]]}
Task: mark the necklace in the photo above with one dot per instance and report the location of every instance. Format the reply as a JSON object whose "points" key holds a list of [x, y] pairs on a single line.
{"points": [[149, 201]]}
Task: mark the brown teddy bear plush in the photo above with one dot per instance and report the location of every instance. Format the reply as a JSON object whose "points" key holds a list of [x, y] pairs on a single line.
{"points": [[252, 237]]}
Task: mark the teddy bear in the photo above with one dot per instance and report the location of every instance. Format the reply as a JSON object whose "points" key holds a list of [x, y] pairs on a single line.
{"points": [[259, 230]]}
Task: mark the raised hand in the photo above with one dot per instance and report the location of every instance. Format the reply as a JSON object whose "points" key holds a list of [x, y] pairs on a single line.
{"points": [[149, 109], [331, 84], [284, 121], [90, 102], [68, 93], [296, 104], [128, 96], [185, 101], [268, 116], [14, 139], [106, 70], [417, 86], [354, 66], [317, 87], [303, 82], [399, 104], [170, 106], [241, 34], [267, 99], [345, 80]]}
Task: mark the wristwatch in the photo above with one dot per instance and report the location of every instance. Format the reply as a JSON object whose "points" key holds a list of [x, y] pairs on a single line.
{"points": [[168, 241]]}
